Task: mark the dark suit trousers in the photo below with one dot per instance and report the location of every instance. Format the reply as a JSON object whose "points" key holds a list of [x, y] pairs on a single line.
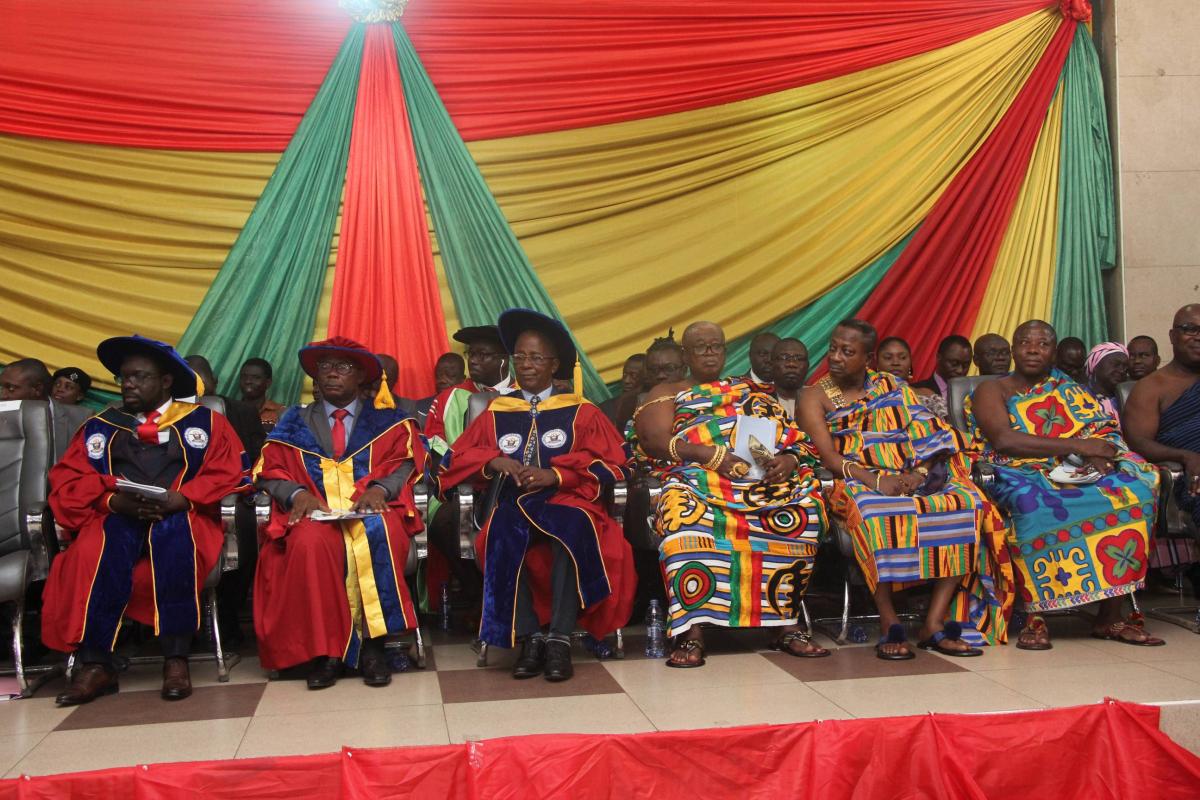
{"points": [[564, 597]]}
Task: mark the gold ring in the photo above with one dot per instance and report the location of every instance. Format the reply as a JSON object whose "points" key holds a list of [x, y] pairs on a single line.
{"points": [[740, 469]]}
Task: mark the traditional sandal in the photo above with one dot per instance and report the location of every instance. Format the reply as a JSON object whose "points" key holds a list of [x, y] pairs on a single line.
{"points": [[1038, 635], [688, 646], [950, 632], [1113, 634], [895, 635], [784, 645]]}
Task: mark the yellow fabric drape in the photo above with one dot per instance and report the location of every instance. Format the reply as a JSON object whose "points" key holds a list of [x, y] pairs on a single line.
{"points": [[738, 213], [742, 213], [1022, 283]]}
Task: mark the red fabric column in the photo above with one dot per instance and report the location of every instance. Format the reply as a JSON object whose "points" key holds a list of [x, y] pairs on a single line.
{"points": [[936, 286], [385, 289]]}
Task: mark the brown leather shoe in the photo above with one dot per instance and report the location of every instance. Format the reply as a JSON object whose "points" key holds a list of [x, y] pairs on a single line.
{"points": [[177, 679], [87, 683]]}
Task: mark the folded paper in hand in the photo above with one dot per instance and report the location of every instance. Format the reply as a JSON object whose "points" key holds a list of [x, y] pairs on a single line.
{"points": [[143, 489]]}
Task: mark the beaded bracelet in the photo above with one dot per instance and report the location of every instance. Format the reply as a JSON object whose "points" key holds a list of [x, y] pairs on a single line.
{"points": [[672, 452]]}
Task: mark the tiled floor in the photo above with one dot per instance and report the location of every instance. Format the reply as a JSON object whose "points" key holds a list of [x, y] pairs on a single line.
{"points": [[454, 701]]}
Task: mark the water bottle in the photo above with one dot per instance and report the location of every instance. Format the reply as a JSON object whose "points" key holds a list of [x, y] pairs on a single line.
{"points": [[445, 621], [858, 634], [655, 637]]}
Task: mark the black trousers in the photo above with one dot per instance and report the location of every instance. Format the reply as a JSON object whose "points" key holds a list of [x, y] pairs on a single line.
{"points": [[564, 597], [172, 647]]}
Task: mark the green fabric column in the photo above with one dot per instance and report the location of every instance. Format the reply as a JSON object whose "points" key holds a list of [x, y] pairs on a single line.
{"points": [[486, 267], [1086, 218], [814, 323], [264, 300]]}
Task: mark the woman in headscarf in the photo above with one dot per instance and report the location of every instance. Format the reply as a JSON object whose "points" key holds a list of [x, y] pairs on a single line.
{"points": [[1107, 368]]}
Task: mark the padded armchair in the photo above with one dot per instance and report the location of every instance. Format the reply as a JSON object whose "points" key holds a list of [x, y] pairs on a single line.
{"points": [[25, 458]]}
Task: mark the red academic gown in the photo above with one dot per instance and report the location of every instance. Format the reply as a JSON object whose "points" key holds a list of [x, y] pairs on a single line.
{"points": [[578, 442], [85, 596], [307, 598]]}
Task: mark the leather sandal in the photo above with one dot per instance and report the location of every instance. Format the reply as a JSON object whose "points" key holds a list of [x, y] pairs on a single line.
{"points": [[1035, 635], [784, 643], [895, 636], [1113, 633], [950, 632], [687, 646]]}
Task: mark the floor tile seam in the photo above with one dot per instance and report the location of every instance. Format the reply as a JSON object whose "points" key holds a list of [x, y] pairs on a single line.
{"points": [[538, 699], [792, 682], [41, 738], [1031, 698], [271, 715]]}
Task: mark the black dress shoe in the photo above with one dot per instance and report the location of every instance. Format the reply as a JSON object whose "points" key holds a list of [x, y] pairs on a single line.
{"points": [[87, 683], [177, 679], [531, 659], [325, 673], [558, 661], [374, 667]]}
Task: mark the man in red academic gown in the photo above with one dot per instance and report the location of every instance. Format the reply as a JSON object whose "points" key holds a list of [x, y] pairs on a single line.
{"points": [[550, 553], [147, 558], [328, 592]]}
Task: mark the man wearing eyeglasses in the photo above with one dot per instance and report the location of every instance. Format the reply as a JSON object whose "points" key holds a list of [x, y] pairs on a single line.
{"points": [[330, 583], [1162, 416], [789, 365], [136, 553], [551, 555]]}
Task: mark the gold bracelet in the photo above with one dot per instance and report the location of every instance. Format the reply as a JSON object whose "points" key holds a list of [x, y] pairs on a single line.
{"points": [[846, 464], [717, 457], [671, 450], [638, 410], [878, 478]]}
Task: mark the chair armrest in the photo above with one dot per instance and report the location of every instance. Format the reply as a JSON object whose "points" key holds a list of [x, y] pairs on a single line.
{"points": [[826, 479], [40, 541], [421, 499], [619, 500], [983, 473], [465, 496], [229, 559]]}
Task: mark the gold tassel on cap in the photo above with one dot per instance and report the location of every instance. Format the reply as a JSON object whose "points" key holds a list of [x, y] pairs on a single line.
{"points": [[383, 398], [578, 379]]}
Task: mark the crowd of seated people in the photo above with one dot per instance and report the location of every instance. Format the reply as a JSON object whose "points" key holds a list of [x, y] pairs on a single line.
{"points": [[739, 512]]}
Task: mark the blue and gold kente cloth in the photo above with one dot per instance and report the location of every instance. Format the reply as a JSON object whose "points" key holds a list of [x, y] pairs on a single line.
{"points": [[1072, 543], [736, 553]]}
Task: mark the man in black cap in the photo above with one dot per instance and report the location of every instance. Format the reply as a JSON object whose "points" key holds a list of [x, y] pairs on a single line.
{"points": [[141, 548], [28, 379], [551, 553], [69, 386]]}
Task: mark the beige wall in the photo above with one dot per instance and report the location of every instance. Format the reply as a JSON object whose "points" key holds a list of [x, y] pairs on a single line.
{"points": [[1152, 72]]}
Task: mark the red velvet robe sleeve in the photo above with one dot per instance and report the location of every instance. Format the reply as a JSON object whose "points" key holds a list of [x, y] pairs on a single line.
{"points": [[597, 458], [466, 459], [435, 420], [78, 493], [225, 469]]}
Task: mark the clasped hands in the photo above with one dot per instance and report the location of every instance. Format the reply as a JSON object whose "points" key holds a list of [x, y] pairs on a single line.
{"points": [[776, 470], [143, 508], [525, 477]]}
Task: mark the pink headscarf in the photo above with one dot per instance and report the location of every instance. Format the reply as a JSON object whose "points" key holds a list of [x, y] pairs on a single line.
{"points": [[1100, 352]]}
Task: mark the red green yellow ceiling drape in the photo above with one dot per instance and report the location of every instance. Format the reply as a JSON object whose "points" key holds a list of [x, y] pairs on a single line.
{"points": [[657, 162]]}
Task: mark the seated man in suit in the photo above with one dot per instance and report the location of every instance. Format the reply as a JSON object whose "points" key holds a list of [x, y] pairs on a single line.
{"points": [[146, 558], [328, 591], [254, 382], [1081, 503], [953, 361], [28, 379], [550, 552]]}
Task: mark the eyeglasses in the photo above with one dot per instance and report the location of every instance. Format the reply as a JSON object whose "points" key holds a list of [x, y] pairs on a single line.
{"points": [[484, 355], [1187, 329], [710, 348], [136, 378], [340, 367], [537, 359], [790, 358]]}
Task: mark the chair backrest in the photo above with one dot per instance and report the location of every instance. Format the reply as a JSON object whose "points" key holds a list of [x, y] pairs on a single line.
{"points": [[25, 457], [1123, 390], [960, 390], [478, 403], [215, 402]]}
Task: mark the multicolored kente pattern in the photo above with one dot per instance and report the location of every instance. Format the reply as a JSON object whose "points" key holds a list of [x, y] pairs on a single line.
{"points": [[904, 540], [736, 553], [1072, 543]]}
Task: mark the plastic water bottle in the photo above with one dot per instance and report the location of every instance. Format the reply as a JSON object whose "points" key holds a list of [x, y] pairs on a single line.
{"points": [[445, 621], [655, 637], [858, 634], [397, 658]]}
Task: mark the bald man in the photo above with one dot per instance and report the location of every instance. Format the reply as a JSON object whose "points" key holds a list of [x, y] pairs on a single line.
{"points": [[992, 354]]}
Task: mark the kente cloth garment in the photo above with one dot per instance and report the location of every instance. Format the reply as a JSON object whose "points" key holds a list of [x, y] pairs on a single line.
{"points": [[905, 540], [118, 565], [321, 587], [1179, 427], [736, 553], [572, 437], [1071, 543]]}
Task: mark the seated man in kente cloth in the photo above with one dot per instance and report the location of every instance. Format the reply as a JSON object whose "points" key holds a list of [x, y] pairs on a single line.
{"points": [[739, 533], [905, 494], [330, 591], [1080, 502], [1162, 418], [549, 551], [132, 554]]}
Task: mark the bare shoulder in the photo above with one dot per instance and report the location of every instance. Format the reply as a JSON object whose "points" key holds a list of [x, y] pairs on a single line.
{"points": [[992, 391], [815, 397], [665, 390]]}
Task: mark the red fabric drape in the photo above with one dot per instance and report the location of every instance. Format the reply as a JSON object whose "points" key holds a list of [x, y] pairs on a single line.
{"points": [[238, 74], [385, 289], [1107, 751], [936, 286]]}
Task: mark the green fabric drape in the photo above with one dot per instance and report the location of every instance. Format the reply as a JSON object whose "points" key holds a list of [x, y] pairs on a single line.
{"points": [[264, 300], [813, 324], [1086, 217], [485, 265]]}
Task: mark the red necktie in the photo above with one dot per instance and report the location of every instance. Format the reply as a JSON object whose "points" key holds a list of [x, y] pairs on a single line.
{"points": [[148, 430], [339, 432]]}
